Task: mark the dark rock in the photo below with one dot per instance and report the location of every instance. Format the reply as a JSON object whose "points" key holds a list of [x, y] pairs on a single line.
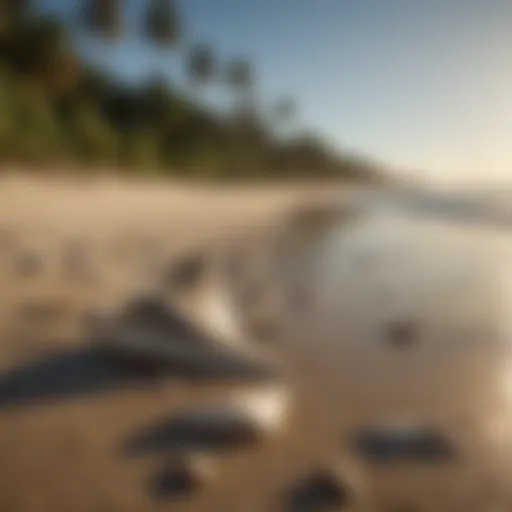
{"points": [[322, 491], [219, 427], [417, 445], [180, 477]]}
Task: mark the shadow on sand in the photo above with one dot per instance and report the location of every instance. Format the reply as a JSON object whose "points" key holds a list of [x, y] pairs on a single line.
{"points": [[71, 374], [185, 439], [190, 431], [66, 375]]}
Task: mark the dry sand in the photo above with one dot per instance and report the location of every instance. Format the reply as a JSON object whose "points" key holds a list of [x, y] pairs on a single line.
{"points": [[64, 456]]}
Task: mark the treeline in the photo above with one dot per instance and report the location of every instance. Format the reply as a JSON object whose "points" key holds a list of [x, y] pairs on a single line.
{"points": [[55, 109]]}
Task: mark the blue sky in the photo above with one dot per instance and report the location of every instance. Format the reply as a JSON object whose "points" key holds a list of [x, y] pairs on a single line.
{"points": [[421, 85]]}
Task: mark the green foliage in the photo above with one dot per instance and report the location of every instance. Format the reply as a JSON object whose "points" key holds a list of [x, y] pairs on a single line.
{"points": [[12, 12], [6, 109], [33, 43], [158, 103], [34, 132], [54, 109], [89, 136], [140, 151]]}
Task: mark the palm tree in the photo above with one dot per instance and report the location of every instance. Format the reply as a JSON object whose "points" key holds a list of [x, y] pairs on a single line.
{"points": [[104, 17], [200, 67], [12, 12], [157, 101], [201, 64], [239, 77], [283, 114], [284, 110], [163, 23]]}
